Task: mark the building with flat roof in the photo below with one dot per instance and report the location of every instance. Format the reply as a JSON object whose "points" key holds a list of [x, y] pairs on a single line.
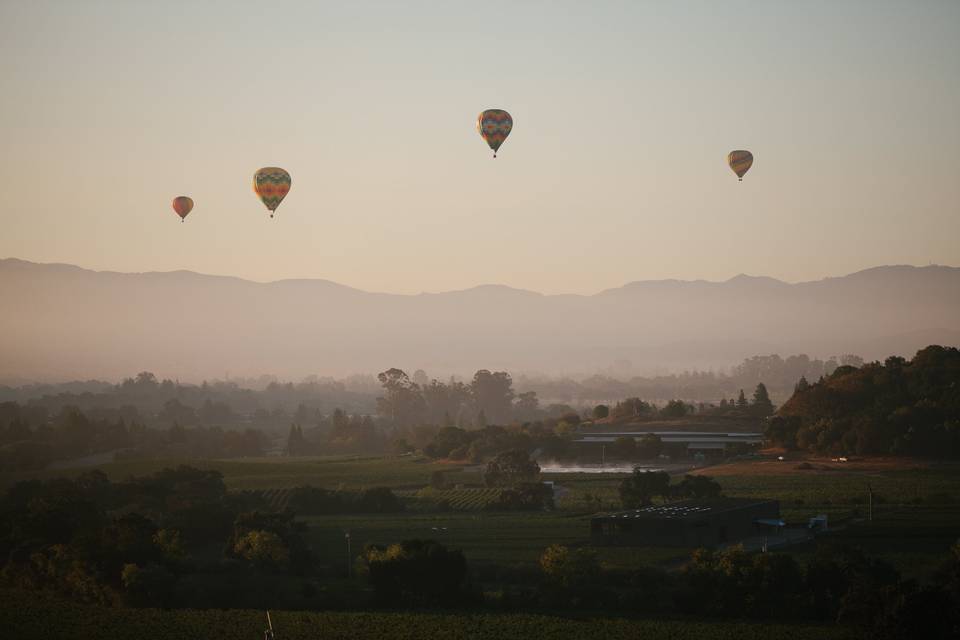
{"points": [[689, 523]]}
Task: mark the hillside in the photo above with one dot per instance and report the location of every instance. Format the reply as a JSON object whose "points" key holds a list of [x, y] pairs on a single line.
{"points": [[62, 321], [899, 407]]}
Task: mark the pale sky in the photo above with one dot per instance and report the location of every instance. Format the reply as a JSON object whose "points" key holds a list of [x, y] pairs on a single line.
{"points": [[615, 171]]}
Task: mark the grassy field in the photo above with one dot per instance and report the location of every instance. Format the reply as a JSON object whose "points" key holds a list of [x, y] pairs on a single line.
{"points": [[915, 539], [916, 505], [510, 540], [40, 616], [345, 472]]}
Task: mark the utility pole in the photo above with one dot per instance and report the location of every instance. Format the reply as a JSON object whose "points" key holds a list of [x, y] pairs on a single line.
{"points": [[869, 503], [603, 455], [268, 634]]}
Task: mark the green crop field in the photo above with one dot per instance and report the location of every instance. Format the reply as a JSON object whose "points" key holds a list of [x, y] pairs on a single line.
{"points": [[345, 472], [40, 616], [908, 501], [512, 540], [466, 499]]}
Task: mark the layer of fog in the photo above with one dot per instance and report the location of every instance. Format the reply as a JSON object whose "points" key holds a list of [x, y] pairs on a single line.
{"points": [[62, 322]]}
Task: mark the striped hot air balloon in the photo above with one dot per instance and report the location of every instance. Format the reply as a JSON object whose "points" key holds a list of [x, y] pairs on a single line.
{"points": [[740, 161], [182, 205], [494, 126], [272, 185]]}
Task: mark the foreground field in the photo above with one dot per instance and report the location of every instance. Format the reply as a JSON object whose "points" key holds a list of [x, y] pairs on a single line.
{"points": [[505, 540], [916, 507], [347, 472], [30, 616]]}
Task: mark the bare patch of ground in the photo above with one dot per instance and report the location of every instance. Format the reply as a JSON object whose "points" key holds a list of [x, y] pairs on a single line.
{"points": [[810, 465]]}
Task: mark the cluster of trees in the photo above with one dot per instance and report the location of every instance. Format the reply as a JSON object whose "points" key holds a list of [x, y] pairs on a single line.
{"points": [[518, 475], [30, 439], [642, 486], [159, 403], [636, 410], [132, 542], [489, 398], [420, 573], [837, 584], [896, 407], [339, 433], [164, 418], [477, 445], [778, 373]]}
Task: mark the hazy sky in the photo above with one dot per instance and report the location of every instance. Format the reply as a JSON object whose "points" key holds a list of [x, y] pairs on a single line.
{"points": [[615, 171]]}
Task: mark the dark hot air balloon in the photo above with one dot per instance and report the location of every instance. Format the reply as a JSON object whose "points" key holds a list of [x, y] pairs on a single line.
{"points": [[494, 126], [182, 205], [740, 161]]}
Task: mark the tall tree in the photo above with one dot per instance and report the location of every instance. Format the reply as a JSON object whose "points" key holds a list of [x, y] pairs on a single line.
{"points": [[761, 404], [402, 401], [295, 441], [511, 467], [493, 394], [742, 401]]}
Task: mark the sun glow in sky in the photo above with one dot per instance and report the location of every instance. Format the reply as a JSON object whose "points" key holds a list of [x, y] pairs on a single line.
{"points": [[624, 113]]}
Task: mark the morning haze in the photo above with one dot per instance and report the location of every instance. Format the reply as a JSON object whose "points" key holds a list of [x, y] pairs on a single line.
{"points": [[72, 323], [285, 353]]}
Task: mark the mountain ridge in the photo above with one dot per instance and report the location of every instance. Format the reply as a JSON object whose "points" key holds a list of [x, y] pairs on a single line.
{"points": [[62, 321], [740, 278]]}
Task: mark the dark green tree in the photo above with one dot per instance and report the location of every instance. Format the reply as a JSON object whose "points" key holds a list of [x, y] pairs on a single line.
{"points": [[416, 573], [493, 395], [697, 487], [761, 404], [379, 500], [675, 409], [639, 489], [649, 446], [402, 402], [511, 467]]}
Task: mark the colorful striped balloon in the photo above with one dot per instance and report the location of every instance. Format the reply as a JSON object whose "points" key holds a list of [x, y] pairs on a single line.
{"points": [[182, 205], [740, 161], [272, 185], [494, 126]]}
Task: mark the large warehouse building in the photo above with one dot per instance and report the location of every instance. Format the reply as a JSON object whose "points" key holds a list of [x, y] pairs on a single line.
{"points": [[690, 523]]}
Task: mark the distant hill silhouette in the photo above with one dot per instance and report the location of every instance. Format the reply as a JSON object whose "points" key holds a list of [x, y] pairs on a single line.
{"points": [[61, 321]]}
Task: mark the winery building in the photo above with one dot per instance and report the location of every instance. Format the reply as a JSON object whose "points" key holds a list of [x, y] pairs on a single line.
{"points": [[690, 523]]}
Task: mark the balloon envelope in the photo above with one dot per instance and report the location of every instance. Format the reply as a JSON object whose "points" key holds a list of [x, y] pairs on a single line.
{"points": [[740, 161], [182, 205], [272, 185], [494, 126]]}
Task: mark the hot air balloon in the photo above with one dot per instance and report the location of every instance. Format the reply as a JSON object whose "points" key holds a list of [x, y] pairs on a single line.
{"points": [[494, 126], [271, 184], [740, 161], [182, 205]]}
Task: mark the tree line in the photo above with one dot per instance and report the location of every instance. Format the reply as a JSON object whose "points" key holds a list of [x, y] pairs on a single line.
{"points": [[29, 439], [898, 407], [836, 584]]}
